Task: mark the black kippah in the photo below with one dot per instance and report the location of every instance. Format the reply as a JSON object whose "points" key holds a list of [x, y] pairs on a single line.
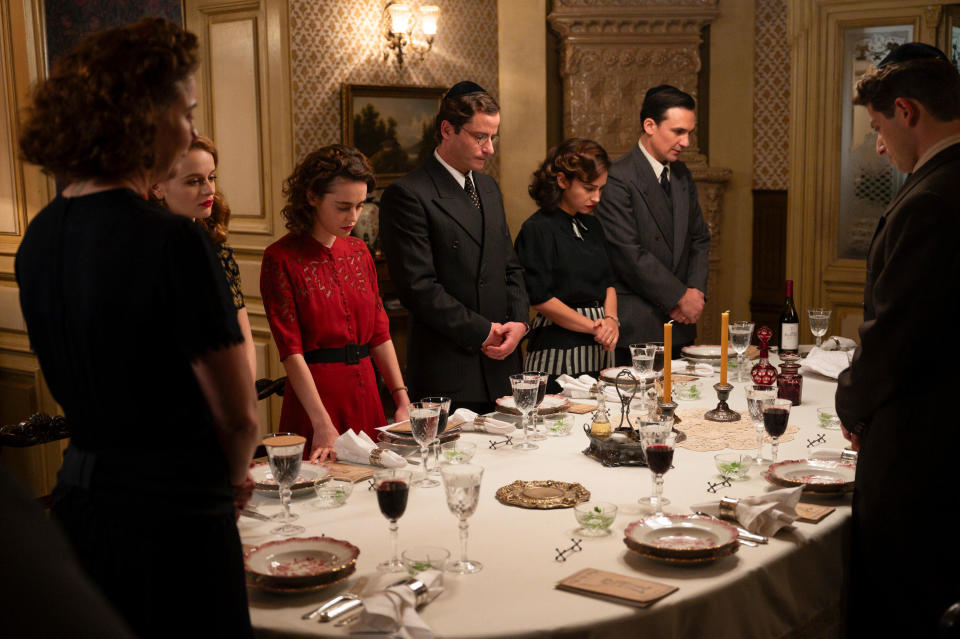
{"points": [[912, 51], [657, 89], [464, 87]]}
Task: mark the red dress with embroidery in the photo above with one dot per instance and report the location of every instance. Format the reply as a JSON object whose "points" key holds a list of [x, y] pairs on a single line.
{"points": [[319, 297]]}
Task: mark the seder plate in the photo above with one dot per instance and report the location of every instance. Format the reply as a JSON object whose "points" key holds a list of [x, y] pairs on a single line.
{"points": [[265, 484], [300, 562], [681, 537], [550, 405], [815, 475], [542, 494]]}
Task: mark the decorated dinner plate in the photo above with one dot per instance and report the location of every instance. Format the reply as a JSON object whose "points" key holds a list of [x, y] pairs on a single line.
{"points": [[815, 475], [401, 439], [300, 562], [686, 560], [542, 495], [551, 404], [610, 376], [681, 537], [265, 484], [254, 581]]}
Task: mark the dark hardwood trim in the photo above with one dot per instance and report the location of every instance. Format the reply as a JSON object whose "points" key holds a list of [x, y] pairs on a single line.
{"points": [[769, 256]]}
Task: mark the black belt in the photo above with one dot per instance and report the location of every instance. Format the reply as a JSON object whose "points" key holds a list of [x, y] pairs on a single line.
{"points": [[349, 354]]}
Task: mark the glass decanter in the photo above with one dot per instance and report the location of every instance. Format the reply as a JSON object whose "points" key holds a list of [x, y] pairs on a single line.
{"points": [[763, 372]]}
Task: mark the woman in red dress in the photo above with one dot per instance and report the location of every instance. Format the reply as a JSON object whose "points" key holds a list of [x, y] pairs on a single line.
{"points": [[320, 293]]}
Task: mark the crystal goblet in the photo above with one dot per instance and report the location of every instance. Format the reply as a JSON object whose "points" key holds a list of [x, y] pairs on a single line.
{"points": [[285, 451]]}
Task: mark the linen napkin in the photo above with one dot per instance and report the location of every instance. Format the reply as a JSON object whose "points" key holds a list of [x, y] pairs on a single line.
{"points": [[761, 514], [356, 448], [828, 363], [679, 367], [394, 610], [577, 387], [830, 454], [838, 343], [489, 425]]}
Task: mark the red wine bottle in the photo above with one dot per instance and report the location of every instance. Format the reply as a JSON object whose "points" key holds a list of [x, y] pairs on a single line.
{"points": [[789, 324]]}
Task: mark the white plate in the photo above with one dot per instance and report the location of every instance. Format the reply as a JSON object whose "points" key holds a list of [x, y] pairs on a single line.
{"points": [[609, 375], [300, 561], [681, 535], [550, 404], [706, 351], [309, 473], [815, 475]]}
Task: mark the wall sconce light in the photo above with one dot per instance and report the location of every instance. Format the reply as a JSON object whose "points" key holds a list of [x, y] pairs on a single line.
{"points": [[408, 32]]}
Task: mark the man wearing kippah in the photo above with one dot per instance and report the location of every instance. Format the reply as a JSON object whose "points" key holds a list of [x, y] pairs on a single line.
{"points": [[894, 399], [659, 244], [451, 259]]}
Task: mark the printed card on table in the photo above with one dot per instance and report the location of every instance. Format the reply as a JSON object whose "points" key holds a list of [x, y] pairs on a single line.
{"points": [[615, 588], [813, 512], [349, 472], [581, 409]]}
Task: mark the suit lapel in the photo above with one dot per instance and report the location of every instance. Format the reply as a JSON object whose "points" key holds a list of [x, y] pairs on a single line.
{"points": [[453, 201], [652, 193], [681, 215]]}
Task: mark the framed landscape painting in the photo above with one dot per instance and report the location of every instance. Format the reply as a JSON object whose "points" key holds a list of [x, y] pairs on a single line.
{"points": [[391, 125]]}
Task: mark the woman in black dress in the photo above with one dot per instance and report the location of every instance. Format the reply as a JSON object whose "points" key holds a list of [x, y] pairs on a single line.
{"points": [[129, 314], [565, 266]]}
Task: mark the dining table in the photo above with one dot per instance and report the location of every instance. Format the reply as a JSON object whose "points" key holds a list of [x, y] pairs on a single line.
{"points": [[789, 587]]}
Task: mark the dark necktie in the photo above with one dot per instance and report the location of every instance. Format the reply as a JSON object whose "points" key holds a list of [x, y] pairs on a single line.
{"points": [[471, 192], [665, 180]]}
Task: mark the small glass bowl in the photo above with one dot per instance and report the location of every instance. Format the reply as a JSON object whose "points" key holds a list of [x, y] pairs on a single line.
{"points": [[827, 418], [595, 517], [332, 493], [558, 425], [457, 452], [420, 558], [733, 466], [687, 388]]}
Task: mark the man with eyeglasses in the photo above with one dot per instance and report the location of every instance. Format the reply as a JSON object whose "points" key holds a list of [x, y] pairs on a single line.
{"points": [[452, 262]]}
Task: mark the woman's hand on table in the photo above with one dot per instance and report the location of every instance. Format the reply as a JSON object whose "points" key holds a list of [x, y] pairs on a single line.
{"points": [[852, 438], [242, 493], [606, 333], [324, 434], [401, 415]]}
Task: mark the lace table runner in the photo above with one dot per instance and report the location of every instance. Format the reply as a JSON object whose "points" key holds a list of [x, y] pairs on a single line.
{"points": [[704, 435]]}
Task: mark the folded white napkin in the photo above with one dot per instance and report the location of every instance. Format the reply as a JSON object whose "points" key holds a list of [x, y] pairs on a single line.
{"points": [[831, 454], [489, 425], [838, 343], [679, 367], [394, 610], [577, 388], [828, 363], [761, 514], [355, 448]]}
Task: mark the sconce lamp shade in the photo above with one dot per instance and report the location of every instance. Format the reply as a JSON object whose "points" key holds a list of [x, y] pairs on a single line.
{"points": [[399, 18], [429, 14]]}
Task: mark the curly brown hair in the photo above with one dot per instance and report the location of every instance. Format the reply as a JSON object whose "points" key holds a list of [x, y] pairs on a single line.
{"points": [[94, 117], [314, 175], [576, 158]]}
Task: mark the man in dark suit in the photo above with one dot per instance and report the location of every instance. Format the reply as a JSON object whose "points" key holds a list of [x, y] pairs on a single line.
{"points": [[451, 258], [659, 243], [895, 398]]}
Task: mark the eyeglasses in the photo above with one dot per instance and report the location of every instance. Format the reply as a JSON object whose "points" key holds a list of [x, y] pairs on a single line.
{"points": [[482, 138]]}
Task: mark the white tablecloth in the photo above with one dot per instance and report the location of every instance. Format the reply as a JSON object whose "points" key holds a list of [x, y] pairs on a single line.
{"points": [[767, 591]]}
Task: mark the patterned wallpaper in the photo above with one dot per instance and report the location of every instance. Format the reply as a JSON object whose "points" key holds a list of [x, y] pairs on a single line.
{"points": [[336, 41], [771, 96]]}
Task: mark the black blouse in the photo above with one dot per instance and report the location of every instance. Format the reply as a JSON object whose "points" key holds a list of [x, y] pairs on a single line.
{"points": [[559, 263]]}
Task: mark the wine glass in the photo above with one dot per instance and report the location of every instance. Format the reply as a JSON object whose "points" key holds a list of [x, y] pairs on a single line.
{"points": [[657, 356], [662, 424], [525, 388], [740, 334], [658, 448], [424, 425], [535, 433], [462, 485], [444, 404], [285, 450], [393, 488], [758, 396], [643, 356], [775, 416], [819, 322]]}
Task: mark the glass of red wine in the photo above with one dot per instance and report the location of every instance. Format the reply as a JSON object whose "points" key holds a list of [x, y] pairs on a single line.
{"points": [[535, 434], [775, 416], [393, 488], [658, 447]]}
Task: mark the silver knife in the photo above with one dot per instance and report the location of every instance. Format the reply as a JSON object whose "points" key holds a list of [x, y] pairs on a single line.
{"points": [[329, 604], [743, 533], [252, 514]]}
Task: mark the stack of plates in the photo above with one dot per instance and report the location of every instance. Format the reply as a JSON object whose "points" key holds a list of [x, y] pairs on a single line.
{"points": [[682, 539], [402, 440], [550, 405], [265, 484], [706, 353], [609, 375], [824, 476], [300, 564]]}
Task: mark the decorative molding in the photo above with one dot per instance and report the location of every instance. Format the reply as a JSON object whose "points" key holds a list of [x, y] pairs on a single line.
{"points": [[771, 96]]}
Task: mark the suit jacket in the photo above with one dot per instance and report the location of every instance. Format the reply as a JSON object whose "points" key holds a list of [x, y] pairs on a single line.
{"points": [[657, 251], [898, 389], [456, 272]]}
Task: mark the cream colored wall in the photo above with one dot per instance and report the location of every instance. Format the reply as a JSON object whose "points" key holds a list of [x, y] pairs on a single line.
{"points": [[523, 89], [731, 138]]}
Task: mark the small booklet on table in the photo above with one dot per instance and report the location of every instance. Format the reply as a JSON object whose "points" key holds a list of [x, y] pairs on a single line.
{"points": [[615, 588]]}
